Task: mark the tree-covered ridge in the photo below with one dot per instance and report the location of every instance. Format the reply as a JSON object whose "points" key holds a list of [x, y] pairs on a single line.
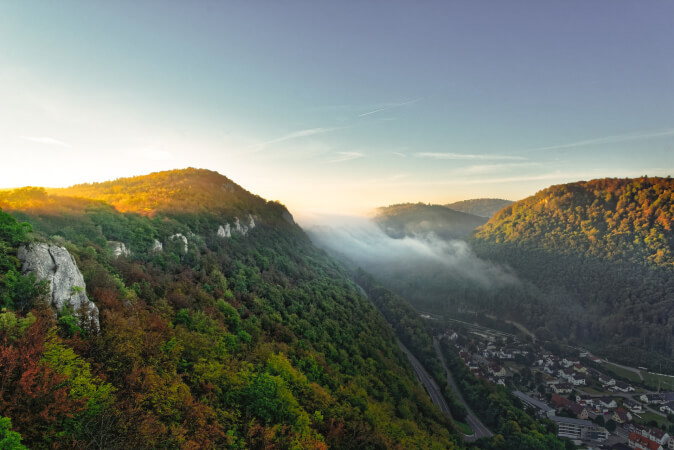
{"points": [[418, 219], [483, 207], [178, 191], [256, 341], [597, 265], [615, 219]]}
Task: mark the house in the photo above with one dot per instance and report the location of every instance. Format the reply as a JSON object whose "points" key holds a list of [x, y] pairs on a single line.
{"points": [[580, 368], [621, 416], [596, 359], [560, 402], [622, 387], [606, 402], [568, 362], [561, 388], [639, 442], [506, 353], [667, 408], [451, 335], [579, 411], [584, 399], [632, 405], [653, 399], [605, 380], [659, 436], [649, 438], [496, 370], [578, 380]]}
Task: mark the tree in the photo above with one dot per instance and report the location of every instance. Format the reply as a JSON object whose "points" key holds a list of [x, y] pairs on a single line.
{"points": [[9, 440]]}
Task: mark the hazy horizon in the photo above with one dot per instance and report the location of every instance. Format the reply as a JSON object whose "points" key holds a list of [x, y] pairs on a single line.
{"points": [[338, 107]]}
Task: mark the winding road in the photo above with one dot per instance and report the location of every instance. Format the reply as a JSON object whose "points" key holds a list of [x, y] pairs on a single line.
{"points": [[428, 382], [479, 429]]}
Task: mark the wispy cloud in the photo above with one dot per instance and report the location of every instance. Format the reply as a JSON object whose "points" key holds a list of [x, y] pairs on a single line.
{"points": [[641, 135], [45, 141], [294, 135], [467, 156], [389, 106], [489, 168], [346, 156], [402, 155]]}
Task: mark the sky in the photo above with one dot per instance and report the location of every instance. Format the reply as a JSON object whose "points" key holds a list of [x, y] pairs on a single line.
{"points": [[339, 106]]}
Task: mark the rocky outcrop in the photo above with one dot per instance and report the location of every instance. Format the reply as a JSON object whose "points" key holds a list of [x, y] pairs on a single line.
{"points": [[157, 247], [240, 228], [225, 232], [66, 284], [118, 249], [251, 222]]}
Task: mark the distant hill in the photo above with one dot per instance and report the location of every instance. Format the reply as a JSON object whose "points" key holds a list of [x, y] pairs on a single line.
{"points": [[614, 219], [418, 219], [483, 207], [601, 255]]}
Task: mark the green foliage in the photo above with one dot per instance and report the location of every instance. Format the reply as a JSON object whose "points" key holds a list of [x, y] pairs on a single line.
{"points": [[15, 326], [9, 440], [257, 341]]}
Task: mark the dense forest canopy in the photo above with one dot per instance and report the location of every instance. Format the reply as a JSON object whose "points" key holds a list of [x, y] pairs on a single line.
{"points": [[598, 264], [483, 207], [613, 219], [249, 341], [179, 191]]}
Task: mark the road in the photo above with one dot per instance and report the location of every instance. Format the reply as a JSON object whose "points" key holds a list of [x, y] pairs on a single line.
{"points": [[479, 429], [428, 382]]}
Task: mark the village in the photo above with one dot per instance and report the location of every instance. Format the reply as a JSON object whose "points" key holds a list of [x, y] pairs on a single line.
{"points": [[574, 389]]}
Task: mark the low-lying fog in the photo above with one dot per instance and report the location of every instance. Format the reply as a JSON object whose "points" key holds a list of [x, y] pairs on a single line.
{"points": [[413, 262]]}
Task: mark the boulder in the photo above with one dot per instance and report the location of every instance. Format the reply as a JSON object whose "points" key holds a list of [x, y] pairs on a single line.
{"points": [[66, 284]]}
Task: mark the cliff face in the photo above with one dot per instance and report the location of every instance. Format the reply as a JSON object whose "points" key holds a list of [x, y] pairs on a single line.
{"points": [[66, 284]]}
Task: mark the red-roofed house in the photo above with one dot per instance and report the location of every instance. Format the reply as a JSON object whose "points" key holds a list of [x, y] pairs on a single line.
{"points": [[640, 442]]}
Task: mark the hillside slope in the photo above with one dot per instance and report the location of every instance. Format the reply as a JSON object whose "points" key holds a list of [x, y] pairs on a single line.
{"points": [[600, 254], [221, 326], [419, 219], [483, 207]]}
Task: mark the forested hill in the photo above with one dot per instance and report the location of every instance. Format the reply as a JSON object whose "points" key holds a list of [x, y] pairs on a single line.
{"points": [[615, 219], [180, 191], [212, 335], [483, 207], [418, 219], [600, 256]]}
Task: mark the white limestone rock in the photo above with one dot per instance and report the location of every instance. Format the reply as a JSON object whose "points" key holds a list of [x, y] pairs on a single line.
{"points": [[225, 232], [251, 222], [66, 284], [119, 249], [157, 247], [240, 228]]}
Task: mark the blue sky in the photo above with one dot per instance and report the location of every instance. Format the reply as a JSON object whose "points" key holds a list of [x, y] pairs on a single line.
{"points": [[339, 106]]}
